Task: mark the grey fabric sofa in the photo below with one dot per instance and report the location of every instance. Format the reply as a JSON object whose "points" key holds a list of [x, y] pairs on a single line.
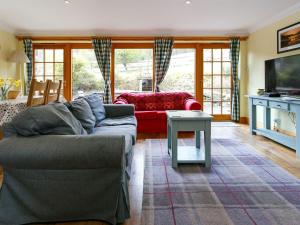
{"points": [[52, 178]]}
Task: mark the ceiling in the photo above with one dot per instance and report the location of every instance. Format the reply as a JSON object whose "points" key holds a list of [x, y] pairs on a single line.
{"points": [[141, 17]]}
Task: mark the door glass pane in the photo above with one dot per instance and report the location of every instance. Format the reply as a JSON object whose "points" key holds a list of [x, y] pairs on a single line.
{"points": [[226, 82], [207, 82], [207, 55], [226, 54], [181, 72], [217, 54], [133, 70], [226, 107], [217, 94], [59, 55], [226, 94], [39, 69], [39, 55], [207, 68], [207, 107], [207, 94], [59, 69], [226, 68], [217, 68], [49, 57], [86, 75], [217, 108], [217, 82], [49, 69]]}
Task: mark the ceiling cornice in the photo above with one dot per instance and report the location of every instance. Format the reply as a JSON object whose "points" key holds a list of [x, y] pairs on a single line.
{"points": [[285, 13]]}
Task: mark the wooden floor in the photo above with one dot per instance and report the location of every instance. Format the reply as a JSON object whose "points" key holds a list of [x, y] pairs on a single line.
{"points": [[284, 157]]}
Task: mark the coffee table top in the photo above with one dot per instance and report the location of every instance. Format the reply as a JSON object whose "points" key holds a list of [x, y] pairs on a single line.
{"points": [[188, 115]]}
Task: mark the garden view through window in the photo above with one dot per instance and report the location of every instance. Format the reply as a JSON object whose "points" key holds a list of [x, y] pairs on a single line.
{"points": [[133, 70], [181, 72], [86, 75]]}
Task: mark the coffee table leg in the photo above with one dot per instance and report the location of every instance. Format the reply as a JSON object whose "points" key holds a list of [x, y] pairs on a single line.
{"points": [[169, 137], [207, 140], [174, 148], [198, 138]]}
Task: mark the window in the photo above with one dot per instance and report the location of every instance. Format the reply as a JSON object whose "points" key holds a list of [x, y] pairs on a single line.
{"points": [[181, 72], [86, 75], [133, 70], [217, 81], [49, 64]]}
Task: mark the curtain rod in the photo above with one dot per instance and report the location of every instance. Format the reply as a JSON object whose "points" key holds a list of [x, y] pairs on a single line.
{"points": [[132, 38]]}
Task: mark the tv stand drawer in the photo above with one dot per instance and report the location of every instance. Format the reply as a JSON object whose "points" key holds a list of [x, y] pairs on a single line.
{"points": [[279, 105], [260, 102]]}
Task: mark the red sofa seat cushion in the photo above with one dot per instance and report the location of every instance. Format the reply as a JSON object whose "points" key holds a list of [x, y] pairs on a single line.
{"points": [[162, 115], [145, 115], [151, 115]]}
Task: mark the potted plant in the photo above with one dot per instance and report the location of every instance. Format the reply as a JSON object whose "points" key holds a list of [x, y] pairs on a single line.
{"points": [[6, 84]]}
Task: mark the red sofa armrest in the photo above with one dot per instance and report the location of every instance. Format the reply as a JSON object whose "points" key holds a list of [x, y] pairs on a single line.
{"points": [[120, 101], [192, 104]]}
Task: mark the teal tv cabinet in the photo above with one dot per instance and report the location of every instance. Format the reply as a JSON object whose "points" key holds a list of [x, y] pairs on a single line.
{"points": [[286, 104]]}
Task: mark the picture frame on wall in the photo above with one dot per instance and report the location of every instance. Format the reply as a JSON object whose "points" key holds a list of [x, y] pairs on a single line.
{"points": [[288, 38]]}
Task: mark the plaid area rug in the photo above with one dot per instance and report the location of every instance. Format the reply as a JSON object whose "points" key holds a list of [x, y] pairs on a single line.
{"points": [[242, 187]]}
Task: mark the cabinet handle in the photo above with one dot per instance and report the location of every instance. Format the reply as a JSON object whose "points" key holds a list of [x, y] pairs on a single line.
{"points": [[259, 102], [279, 106]]}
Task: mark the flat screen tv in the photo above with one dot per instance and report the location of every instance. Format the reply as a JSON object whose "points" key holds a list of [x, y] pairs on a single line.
{"points": [[283, 75]]}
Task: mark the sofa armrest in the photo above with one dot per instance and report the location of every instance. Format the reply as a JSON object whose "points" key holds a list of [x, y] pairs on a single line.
{"points": [[63, 152], [118, 110], [192, 104], [120, 101]]}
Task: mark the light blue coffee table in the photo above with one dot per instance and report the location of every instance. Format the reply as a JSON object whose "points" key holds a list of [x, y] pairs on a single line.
{"points": [[189, 120]]}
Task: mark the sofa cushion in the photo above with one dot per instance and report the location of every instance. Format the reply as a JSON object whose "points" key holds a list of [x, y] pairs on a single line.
{"points": [[117, 130], [55, 119], [96, 104], [146, 115], [83, 112], [116, 121]]}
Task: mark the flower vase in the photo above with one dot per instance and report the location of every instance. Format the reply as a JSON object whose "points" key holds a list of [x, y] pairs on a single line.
{"points": [[3, 95]]}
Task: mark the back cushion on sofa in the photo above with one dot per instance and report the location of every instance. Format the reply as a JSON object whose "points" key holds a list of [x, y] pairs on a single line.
{"points": [[96, 104], [83, 112], [53, 119], [156, 101]]}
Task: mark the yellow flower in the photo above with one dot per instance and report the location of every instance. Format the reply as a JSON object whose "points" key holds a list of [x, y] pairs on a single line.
{"points": [[2, 83], [17, 83], [11, 80]]}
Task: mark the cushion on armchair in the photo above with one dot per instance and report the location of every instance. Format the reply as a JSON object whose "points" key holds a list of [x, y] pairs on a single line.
{"points": [[55, 119]]}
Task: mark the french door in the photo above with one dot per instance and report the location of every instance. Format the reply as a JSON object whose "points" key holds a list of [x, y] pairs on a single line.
{"points": [[202, 69]]}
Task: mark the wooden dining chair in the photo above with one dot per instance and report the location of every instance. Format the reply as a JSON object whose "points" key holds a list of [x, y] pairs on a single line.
{"points": [[37, 93], [53, 91]]}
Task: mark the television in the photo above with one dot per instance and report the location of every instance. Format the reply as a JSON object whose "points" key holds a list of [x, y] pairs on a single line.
{"points": [[282, 75]]}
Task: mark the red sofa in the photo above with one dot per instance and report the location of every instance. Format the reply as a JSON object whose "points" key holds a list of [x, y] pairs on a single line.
{"points": [[150, 108]]}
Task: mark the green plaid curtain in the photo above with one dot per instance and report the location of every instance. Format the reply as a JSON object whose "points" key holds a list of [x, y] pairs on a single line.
{"points": [[29, 52], [235, 53], [102, 48], [162, 53]]}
